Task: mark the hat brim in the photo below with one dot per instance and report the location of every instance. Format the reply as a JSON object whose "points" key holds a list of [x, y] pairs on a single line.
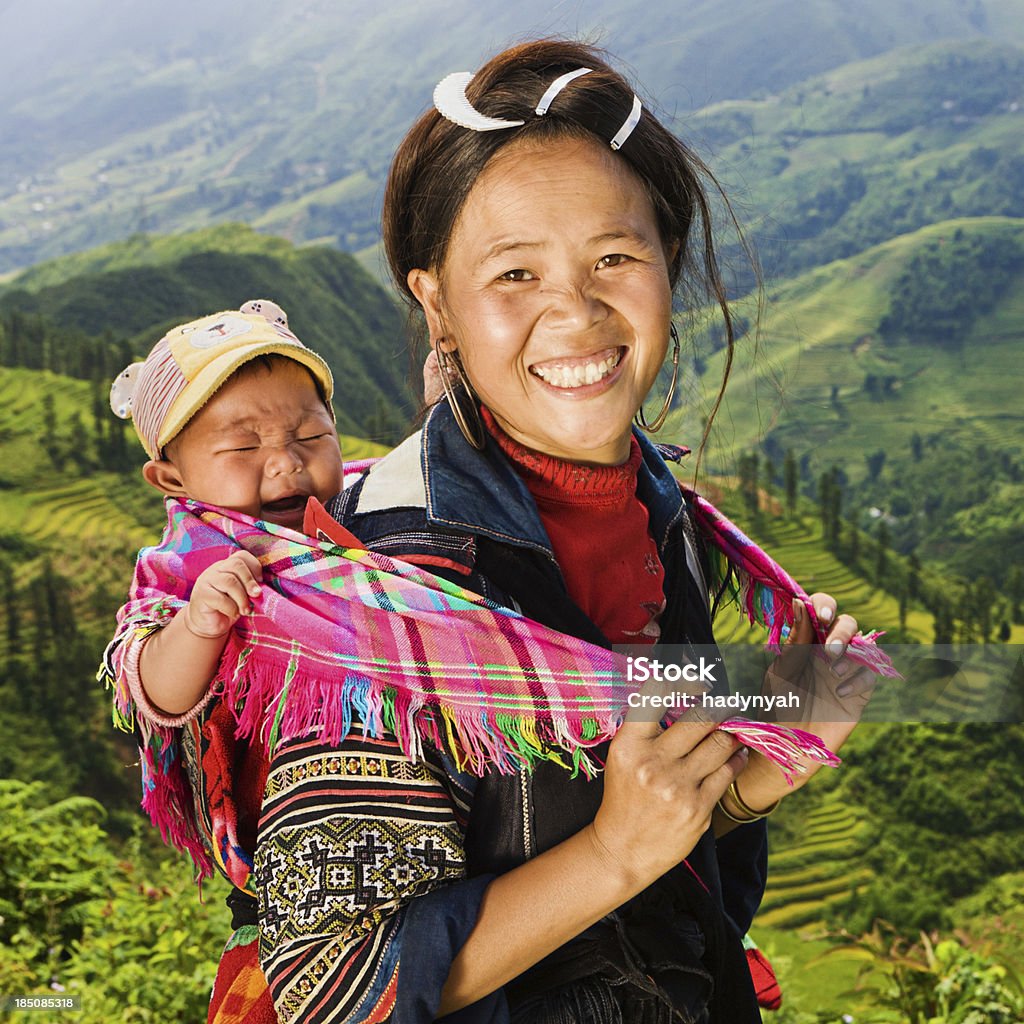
{"points": [[217, 371]]}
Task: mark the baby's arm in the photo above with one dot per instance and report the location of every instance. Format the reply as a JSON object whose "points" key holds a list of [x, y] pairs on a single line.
{"points": [[178, 662]]}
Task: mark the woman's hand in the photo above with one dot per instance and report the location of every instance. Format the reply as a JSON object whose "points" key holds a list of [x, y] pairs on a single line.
{"points": [[831, 692], [660, 790]]}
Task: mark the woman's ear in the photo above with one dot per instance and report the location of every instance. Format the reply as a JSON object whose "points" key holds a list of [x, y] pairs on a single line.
{"points": [[165, 477], [425, 286]]}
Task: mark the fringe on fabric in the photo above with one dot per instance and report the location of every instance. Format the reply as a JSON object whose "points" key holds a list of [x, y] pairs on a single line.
{"points": [[764, 591], [389, 647]]}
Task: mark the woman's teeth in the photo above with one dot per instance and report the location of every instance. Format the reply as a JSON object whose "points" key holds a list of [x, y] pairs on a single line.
{"points": [[579, 374]]}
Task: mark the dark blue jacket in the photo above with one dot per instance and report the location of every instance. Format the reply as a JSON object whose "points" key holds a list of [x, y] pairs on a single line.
{"points": [[468, 516]]}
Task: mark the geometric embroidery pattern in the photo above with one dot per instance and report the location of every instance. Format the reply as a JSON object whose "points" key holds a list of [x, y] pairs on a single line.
{"points": [[350, 834], [351, 872]]}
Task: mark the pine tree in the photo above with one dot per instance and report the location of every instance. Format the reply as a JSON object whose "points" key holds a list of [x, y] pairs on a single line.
{"points": [[913, 576], [882, 553], [916, 446], [854, 547], [791, 480], [943, 622], [824, 503], [12, 611], [835, 510], [1015, 592]]}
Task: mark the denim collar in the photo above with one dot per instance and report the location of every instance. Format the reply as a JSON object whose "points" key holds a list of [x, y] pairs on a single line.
{"points": [[481, 493]]}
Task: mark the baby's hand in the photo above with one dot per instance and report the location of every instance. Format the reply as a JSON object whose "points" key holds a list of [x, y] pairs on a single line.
{"points": [[222, 594]]}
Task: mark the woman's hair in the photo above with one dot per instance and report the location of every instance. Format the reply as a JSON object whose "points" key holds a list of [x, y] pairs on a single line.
{"points": [[438, 163]]}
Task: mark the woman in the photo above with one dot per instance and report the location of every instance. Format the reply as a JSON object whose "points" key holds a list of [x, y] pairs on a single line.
{"points": [[541, 220]]}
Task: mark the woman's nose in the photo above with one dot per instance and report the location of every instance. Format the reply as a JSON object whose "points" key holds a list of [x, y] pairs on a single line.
{"points": [[575, 308]]}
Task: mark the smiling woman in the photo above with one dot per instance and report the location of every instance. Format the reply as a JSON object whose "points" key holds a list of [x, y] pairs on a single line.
{"points": [[541, 218], [564, 299]]}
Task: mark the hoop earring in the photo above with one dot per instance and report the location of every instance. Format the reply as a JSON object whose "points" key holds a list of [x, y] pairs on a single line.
{"points": [[640, 419], [471, 425]]}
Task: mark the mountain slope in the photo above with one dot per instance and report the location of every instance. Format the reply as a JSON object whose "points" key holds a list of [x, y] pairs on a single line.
{"points": [[138, 288], [927, 426], [873, 150], [287, 115]]}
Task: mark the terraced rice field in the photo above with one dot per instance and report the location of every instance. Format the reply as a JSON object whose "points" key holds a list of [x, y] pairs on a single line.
{"points": [[820, 869]]}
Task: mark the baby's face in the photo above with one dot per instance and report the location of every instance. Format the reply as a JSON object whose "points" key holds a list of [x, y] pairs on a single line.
{"points": [[262, 445]]}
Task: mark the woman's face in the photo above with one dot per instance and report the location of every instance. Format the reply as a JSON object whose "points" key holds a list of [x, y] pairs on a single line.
{"points": [[556, 293]]}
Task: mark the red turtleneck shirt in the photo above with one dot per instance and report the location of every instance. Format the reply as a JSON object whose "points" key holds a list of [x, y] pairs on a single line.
{"points": [[600, 535]]}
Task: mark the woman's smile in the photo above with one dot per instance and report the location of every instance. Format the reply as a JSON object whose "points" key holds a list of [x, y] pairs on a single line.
{"points": [[573, 373]]}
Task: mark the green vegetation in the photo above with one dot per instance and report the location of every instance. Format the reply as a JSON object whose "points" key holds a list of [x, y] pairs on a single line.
{"points": [[294, 136], [873, 150], [927, 434], [969, 273], [86, 314], [122, 928], [906, 827]]}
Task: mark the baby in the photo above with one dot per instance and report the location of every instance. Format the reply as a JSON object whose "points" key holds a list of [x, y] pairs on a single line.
{"points": [[233, 411]]}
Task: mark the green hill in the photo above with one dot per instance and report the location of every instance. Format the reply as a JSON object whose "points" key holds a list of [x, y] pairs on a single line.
{"points": [[872, 150], [898, 367], [128, 293], [64, 507]]}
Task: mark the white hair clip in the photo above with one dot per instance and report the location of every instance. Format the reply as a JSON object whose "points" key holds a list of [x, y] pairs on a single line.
{"points": [[556, 87], [630, 123], [451, 103]]}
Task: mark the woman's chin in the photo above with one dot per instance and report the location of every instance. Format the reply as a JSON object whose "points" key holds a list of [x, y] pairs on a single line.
{"points": [[586, 439]]}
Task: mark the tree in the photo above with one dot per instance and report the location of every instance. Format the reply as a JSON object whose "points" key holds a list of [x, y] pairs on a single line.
{"points": [[944, 624], [830, 503], [824, 500], [981, 607], [1015, 592], [791, 480], [835, 510], [882, 552], [854, 545], [49, 424], [875, 461], [916, 446], [913, 576], [12, 611]]}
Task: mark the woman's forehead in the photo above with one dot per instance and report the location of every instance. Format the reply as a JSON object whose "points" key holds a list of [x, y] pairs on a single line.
{"points": [[528, 192]]}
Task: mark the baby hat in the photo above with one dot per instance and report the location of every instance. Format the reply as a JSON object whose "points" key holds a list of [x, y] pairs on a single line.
{"points": [[189, 363]]}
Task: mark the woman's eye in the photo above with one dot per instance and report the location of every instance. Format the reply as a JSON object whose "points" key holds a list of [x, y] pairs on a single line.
{"points": [[516, 275], [614, 259], [311, 437]]}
